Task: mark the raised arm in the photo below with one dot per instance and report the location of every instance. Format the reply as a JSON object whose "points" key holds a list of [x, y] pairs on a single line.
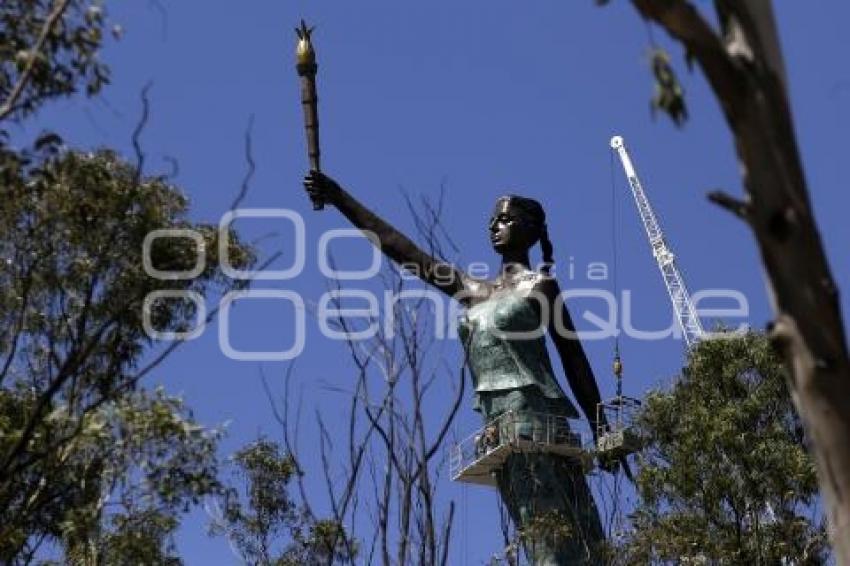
{"points": [[574, 360], [398, 247]]}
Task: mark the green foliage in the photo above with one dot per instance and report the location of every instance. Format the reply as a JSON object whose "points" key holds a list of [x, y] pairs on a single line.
{"points": [[543, 531], [115, 486], [725, 477], [669, 96], [87, 459], [72, 281], [71, 234], [265, 525], [67, 60], [152, 460], [90, 464]]}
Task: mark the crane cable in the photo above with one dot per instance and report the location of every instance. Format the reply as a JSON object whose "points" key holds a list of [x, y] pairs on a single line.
{"points": [[617, 522], [618, 364]]}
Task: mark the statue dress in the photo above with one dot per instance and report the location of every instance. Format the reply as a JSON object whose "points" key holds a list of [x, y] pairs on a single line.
{"points": [[511, 371]]}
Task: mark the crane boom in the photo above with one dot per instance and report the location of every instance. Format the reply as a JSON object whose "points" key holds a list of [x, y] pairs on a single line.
{"points": [[679, 296]]}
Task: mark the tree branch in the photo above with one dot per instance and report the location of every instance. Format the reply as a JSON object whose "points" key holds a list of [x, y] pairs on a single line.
{"points": [[249, 160], [137, 132], [740, 208], [747, 76], [685, 23], [52, 19]]}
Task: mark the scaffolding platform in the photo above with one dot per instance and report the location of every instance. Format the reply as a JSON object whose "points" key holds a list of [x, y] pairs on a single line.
{"points": [[477, 458], [617, 436]]}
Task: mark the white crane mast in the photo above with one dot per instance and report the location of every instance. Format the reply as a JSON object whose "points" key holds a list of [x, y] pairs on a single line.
{"points": [[679, 296]]}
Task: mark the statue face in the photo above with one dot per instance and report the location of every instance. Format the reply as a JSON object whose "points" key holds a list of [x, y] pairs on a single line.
{"points": [[509, 231]]}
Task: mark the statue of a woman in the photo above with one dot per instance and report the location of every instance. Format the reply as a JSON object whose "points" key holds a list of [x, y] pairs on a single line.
{"points": [[509, 363]]}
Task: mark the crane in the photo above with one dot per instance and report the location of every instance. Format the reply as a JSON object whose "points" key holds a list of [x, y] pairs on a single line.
{"points": [[683, 307], [618, 437]]}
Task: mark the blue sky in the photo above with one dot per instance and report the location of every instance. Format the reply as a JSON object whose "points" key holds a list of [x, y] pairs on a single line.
{"points": [[483, 98]]}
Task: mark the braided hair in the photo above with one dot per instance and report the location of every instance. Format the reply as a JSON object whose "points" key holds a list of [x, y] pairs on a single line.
{"points": [[536, 219]]}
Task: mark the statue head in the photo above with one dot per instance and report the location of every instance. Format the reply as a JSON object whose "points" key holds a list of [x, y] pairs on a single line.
{"points": [[517, 224]]}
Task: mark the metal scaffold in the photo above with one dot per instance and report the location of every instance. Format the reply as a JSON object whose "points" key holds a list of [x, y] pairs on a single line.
{"points": [[477, 458]]}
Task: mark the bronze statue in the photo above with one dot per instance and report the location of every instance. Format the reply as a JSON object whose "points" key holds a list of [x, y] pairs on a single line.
{"points": [[509, 373]]}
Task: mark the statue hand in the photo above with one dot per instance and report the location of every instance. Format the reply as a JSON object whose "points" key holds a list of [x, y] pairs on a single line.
{"points": [[321, 188]]}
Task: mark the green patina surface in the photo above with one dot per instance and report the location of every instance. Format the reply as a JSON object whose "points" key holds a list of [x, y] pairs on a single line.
{"points": [[506, 349], [512, 372]]}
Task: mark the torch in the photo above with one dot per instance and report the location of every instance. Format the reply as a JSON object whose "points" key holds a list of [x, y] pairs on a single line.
{"points": [[306, 66]]}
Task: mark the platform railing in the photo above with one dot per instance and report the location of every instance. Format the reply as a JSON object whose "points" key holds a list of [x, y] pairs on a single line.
{"points": [[518, 430], [616, 435]]}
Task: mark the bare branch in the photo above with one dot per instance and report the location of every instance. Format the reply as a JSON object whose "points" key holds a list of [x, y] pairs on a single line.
{"points": [[746, 74], [252, 166], [140, 127], [739, 208], [407, 522]]}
